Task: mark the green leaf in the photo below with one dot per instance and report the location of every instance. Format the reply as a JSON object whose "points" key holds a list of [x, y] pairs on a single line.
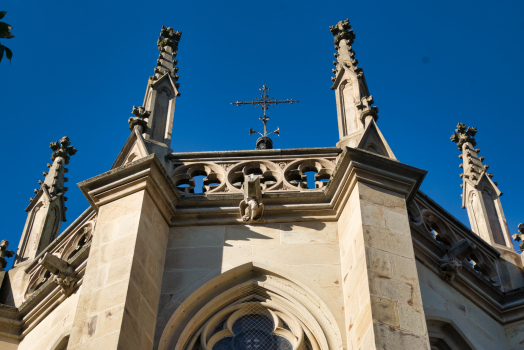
{"points": [[4, 31], [8, 54], [2, 14]]}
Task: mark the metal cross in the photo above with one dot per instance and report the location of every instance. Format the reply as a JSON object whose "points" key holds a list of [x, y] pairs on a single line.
{"points": [[264, 102]]}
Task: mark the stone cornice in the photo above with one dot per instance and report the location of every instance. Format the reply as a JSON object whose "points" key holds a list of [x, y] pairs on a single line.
{"points": [[144, 174], [504, 306]]}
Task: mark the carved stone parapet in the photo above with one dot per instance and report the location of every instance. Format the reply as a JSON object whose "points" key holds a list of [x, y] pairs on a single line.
{"points": [[251, 207], [63, 274]]}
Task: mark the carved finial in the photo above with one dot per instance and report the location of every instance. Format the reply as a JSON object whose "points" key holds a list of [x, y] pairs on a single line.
{"points": [[366, 109], [139, 119], [62, 149], [251, 207], [168, 37], [344, 38], [4, 253], [167, 45], [519, 237], [463, 135], [342, 31]]}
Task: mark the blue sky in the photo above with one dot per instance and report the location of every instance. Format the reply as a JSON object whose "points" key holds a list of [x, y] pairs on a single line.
{"points": [[79, 67]]}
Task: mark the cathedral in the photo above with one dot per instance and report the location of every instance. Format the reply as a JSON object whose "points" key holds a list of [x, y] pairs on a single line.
{"points": [[262, 256]]}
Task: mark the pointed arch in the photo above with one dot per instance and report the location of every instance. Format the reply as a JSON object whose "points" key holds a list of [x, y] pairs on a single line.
{"points": [[252, 283], [444, 333]]}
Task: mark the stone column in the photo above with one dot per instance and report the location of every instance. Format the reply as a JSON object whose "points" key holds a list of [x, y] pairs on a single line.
{"points": [[382, 300], [119, 297]]}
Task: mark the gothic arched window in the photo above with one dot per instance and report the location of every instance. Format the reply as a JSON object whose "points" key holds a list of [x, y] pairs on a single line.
{"points": [[252, 332], [253, 326]]}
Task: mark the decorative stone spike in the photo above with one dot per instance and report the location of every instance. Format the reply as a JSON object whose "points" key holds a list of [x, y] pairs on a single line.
{"points": [[496, 184], [481, 159], [461, 165], [486, 166], [66, 170], [49, 165], [35, 191], [45, 173], [31, 199], [66, 179], [460, 156], [66, 189], [65, 199], [490, 175], [477, 150], [40, 182]]}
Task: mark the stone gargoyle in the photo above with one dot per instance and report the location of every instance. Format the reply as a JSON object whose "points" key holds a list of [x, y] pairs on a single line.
{"points": [[251, 207], [63, 273]]}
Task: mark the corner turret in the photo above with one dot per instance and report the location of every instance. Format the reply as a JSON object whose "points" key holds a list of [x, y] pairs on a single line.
{"points": [[47, 209], [480, 195]]}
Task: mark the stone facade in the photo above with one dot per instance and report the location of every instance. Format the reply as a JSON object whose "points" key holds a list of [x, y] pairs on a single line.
{"points": [[356, 259]]}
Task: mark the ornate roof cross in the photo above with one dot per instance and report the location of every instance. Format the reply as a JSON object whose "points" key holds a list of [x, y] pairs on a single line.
{"points": [[264, 102]]}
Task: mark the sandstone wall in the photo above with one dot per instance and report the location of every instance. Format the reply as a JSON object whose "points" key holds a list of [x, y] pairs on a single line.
{"points": [[57, 325], [305, 251], [442, 302]]}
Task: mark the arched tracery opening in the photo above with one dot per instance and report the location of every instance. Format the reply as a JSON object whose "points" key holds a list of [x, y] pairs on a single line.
{"points": [[254, 311]]}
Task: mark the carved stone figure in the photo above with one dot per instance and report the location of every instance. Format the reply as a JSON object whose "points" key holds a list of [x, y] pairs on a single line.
{"points": [[63, 273], [449, 269], [4, 253], [251, 207]]}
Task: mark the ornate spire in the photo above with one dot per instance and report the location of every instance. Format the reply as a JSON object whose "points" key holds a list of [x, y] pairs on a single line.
{"points": [[354, 102], [167, 45], [480, 195], [47, 209], [344, 39], [160, 98]]}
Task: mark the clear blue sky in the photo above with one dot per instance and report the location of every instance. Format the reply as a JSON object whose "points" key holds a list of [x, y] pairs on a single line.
{"points": [[79, 67]]}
